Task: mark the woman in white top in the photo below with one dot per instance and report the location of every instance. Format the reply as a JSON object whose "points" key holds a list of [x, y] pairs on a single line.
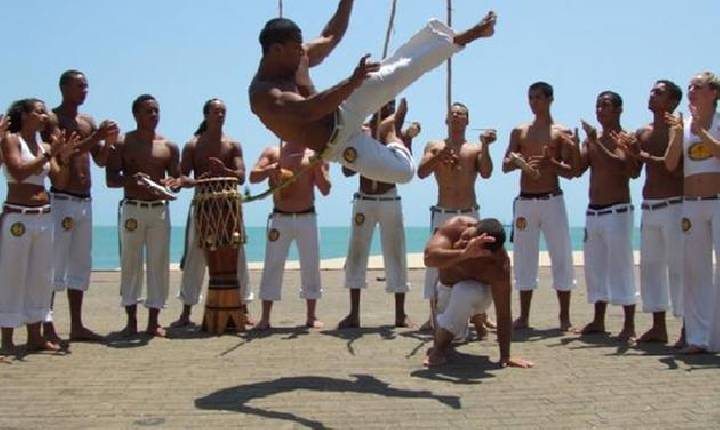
{"points": [[26, 226], [694, 142]]}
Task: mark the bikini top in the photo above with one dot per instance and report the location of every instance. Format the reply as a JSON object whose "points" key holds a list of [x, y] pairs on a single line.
{"points": [[26, 155], [697, 156]]}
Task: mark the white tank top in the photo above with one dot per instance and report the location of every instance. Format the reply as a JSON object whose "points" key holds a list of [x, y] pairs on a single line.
{"points": [[697, 157], [26, 155]]}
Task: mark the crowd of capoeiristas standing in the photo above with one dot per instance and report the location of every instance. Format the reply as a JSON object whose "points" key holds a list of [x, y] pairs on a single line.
{"points": [[46, 233]]}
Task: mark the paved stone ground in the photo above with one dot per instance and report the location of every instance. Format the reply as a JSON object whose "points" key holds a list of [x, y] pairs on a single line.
{"points": [[365, 378]]}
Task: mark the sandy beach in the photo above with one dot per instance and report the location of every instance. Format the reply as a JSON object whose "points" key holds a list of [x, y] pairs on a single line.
{"points": [[371, 377]]}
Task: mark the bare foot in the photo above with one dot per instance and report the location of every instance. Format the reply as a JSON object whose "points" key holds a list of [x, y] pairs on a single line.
{"points": [[156, 331], [434, 358], [693, 349], [85, 335], [481, 331], [566, 326], [183, 321], [654, 335], [404, 322], [486, 27], [262, 326], [680, 343], [628, 336], [52, 337], [490, 324], [349, 322], [427, 326], [130, 329], [314, 323], [520, 324], [592, 328], [7, 350], [43, 345]]}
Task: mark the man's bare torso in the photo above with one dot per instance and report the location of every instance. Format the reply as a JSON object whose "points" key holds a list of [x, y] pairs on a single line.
{"points": [[79, 180], [456, 182], [659, 182], [151, 158], [609, 179], [312, 135], [300, 194], [534, 138], [225, 149]]}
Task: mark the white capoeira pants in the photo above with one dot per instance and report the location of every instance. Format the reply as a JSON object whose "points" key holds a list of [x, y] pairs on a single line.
{"points": [[282, 230], [701, 224], [661, 255], [386, 211], [545, 214], [144, 232], [438, 216], [352, 146], [443, 300], [193, 275], [25, 267], [608, 255], [467, 298], [72, 242]]}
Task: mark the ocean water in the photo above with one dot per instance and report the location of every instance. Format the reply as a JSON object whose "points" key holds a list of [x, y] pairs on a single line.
{"points": [[333, 243]]}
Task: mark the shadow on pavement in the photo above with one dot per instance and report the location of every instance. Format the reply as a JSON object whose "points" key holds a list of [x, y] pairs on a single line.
{"points": [[237, 398], [461, 368], [386, 332]]}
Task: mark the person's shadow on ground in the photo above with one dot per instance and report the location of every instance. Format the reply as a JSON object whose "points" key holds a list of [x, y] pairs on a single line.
{"points": [[350, 335], [461, 368], [237, 398]]}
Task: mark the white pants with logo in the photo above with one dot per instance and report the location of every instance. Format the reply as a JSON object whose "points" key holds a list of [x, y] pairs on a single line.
{"points": [[388, 215], [608, 257], [547, 215], [700, 292], [72, 260], [661, 258], [438, 217], [193, 275], [467, 298], [426, 50], [25, 268], [285, 229], [145, 235]]}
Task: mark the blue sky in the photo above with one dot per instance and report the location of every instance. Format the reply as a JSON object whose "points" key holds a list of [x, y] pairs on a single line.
{"points": [[185, 52]]}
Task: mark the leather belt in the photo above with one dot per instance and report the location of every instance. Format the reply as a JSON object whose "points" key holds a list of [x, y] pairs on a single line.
{"points": [[26, 210], [437, 209], [309, 211], [146, 205], [540, 196], [703, 198], [660, 205], [358, 196], [57, 196], [601, 212]]}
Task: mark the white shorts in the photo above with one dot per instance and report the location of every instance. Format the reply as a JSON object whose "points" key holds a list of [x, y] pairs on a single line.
{"points": [[25, 268], [661, 255], [467, 298], [609, 260], [72, 242], [701, 224], [194, 265], [144, 232], [532, 215], [443, 300], [438, 217], [282, 230], [350, 145], [386, 211]]}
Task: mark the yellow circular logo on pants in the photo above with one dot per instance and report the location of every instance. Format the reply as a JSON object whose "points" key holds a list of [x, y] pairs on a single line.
{"points": [[521, 223], [273, 235], [359, 219], [686, 225], [131, 224], [67, 223], [698, 151], [17, 229]]}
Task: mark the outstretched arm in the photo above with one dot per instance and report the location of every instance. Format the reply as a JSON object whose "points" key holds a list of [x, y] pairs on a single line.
{"points": [[318, 49]]}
